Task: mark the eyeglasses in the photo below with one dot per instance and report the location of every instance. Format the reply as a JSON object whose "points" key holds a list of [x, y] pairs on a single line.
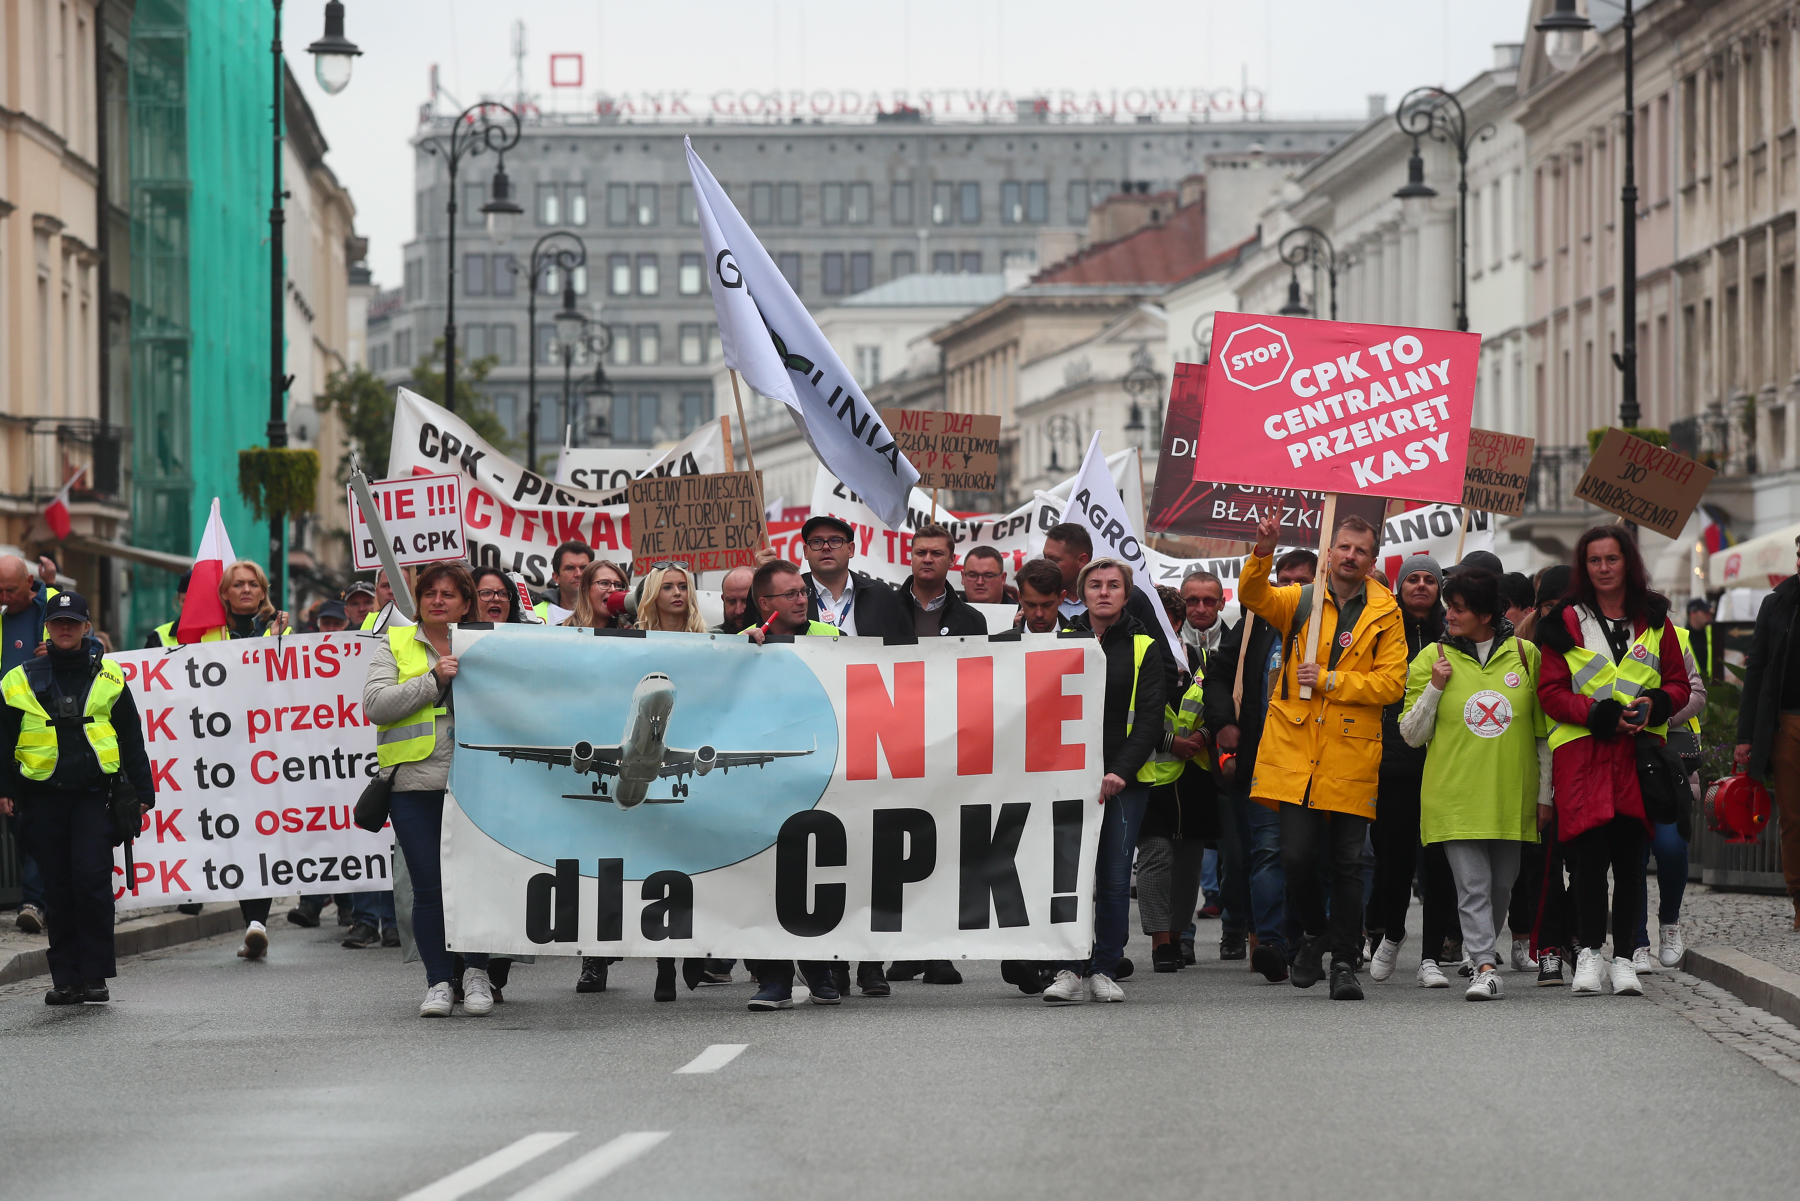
{"points": [[983, 577], [826, 543], [668, 563], [490, 594], [790, 596]]}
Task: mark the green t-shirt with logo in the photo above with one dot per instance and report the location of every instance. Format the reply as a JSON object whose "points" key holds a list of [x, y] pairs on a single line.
{"points": [[1481, 766]]}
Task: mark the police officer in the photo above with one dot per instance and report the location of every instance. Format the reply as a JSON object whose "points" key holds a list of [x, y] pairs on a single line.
{"points": [[67, 728]]}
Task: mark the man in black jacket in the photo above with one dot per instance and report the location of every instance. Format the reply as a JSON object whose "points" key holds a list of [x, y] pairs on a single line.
{"points": [[857, 604], [1768, 731], [930, 602]]}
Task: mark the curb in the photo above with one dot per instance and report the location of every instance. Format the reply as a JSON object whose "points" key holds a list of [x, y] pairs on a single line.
{"points": [[1748, 978], [165, 930]]}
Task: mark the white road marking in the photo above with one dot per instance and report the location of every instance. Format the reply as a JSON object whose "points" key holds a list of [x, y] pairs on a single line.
{"points": [[490, 1167], [712, 1059], [597, 1164]]}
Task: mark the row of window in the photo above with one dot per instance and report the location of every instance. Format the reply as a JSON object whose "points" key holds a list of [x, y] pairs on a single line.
{"points": [[841, 273]]}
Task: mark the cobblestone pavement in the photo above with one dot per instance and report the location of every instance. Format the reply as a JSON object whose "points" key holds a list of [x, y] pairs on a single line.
{"points": [[1762, 1036], [1754, 923]]}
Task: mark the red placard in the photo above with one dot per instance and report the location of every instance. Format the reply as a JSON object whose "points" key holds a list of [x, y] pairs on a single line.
{"points": [[1378, 410]]}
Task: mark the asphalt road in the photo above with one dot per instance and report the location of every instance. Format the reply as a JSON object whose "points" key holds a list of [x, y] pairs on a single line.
{"points": [[307, 1076]]}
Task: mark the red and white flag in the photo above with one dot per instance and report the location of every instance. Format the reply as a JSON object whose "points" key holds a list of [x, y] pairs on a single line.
{"points": [[202, 609], [56, 516]]}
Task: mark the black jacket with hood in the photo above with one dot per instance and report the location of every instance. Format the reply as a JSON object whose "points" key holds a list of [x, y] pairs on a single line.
{"points": [[1124, 753], [1397, 758]]}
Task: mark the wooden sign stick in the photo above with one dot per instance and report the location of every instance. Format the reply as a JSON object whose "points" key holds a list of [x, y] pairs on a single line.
{"points": [[749, 458], [1314, 620], [1244, 627], [1468, 518]]}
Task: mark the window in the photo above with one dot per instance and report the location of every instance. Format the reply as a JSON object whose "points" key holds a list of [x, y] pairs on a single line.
{"points": [[715, 349], [649, 416], [618, 204], [475, 274], [1101, 190], [549, 205], [578, 276], [687, 280], [971, 262], [900, 203], [968, 204], [545, 347], [943, 196], [621, 345], [505, 274], [378, 357], [860, 209], [789, 262], [577, 204], [474, 196], [787, 206], [831, 274], [649, 345], [696, 411], [762, 203], [831, 203], [646, 204], [501, 343], [649, 281], [686, 211], [868, 366], [862, 267], [415, 279], [943, 262], [624, 428], [474, 342], [403, 356], [903, 263], [619, 266], [1037, 202], [691, 347], [1078, 201], [1012, 202], [506, 408]]}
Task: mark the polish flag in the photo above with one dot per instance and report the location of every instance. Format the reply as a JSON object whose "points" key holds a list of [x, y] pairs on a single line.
{"points": [[202, 610], [56, 516]]}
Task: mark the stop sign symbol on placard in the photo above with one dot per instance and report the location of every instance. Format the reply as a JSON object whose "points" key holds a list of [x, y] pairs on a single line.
{"points": [[1256, 357]]}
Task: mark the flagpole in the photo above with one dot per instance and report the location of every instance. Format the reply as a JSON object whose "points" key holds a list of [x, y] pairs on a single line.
{"points": [[749, 457]]}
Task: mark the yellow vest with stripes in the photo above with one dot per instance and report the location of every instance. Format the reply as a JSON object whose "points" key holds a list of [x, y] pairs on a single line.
{"points": [[1592, 674], [165, 634], [1693, 723], [36, 748], [414, 736], [1149, 773]]}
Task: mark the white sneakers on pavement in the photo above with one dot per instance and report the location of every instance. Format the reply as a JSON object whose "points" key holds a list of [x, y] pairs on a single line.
{"points": [[1521, 956], [1485, 986], [1431, 976], [256, 942], [1103, 988], [1066, 988], [1587, 973], [1672, 946], [439, 1001], [478, 992], [1624, 979], [1641, 961], [1381, 963]]}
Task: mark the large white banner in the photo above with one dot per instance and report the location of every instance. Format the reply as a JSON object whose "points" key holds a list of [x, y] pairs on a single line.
{"points": [[698, 795], [259, 749]]}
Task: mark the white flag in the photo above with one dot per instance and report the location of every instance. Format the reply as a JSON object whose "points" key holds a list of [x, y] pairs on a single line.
{"points": [[1095, 505], [770, 338]]}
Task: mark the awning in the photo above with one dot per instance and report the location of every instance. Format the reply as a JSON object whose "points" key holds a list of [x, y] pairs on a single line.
{"points": [[1759, 563], [175, 564]]}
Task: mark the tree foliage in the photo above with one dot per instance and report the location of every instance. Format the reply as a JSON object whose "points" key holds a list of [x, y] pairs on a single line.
{"points": [[366, 406]]}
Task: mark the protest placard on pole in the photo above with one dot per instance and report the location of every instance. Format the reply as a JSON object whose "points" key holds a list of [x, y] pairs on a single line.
{"points": [[1643, 482], [951, 450], [420, 517], [710, 522], [1498, 472]]}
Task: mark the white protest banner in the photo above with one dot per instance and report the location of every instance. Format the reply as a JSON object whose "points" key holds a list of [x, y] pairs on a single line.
{"points": [[259, 750], [797, 800], [422, 514], [768, 336], [886, 554], [611, 469]]}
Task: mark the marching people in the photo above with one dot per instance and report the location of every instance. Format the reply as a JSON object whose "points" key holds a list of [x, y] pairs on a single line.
{"points": [[855, 604], [930, 602], [1471, 705], [1131, 728], [734, 597], [984, 577], [601, 586], [1180, 816], [1320, 756], [1199, 603], [496, 600], [566, 565], [384, 613], [1613, 673], [249, 614], [23, 603], [359, 603], [1768, 725], [69, 730], [1703, 638], [1669, 842], [1070, 547], [410, 697], [667, 603]]}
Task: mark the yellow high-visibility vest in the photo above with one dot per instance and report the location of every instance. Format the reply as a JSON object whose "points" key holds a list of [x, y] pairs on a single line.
{"points": [[1592, 674], [36, 750], [414, 736]]}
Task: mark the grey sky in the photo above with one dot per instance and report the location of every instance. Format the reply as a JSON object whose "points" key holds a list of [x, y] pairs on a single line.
{"points": [[1307, 56]]}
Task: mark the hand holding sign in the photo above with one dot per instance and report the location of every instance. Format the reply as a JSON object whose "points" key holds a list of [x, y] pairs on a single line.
{"points": [[1440, 671]]}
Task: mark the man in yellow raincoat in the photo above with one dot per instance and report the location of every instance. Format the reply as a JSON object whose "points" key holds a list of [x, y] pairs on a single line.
{"points": [[1320, 759]]}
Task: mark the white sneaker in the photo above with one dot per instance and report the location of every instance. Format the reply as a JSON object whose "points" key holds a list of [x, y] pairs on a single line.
{"points": [[1485, 986], [1587, 973], [256, 942], [1067, 987], [1381, 964], [1624, 979], [1103, 988], [1642, 962], [1430, 976], [439, 1000], [1521, 956], [1672, 946], [478, 992]]}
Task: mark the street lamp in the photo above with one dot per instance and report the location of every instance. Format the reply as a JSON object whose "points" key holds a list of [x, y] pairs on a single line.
{"points": [[546, 255], [1057, 429], [501, 208], [1293, 307], [1436, 113], [1139, 384], [1307, 245], [333, 54], [583, 334], [1565, 33]]}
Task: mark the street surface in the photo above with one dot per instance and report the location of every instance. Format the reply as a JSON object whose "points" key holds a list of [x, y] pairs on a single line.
{"points": [[308, 1076]]}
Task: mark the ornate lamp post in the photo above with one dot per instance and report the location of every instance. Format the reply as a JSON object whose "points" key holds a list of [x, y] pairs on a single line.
{"points": [[574, 333], [1303, 246], [1058, 429], [1139, 384], [561, 251], [1435, 113]]}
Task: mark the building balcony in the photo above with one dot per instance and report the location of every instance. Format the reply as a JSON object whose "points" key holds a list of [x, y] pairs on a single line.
{"points": [[42, 453]]}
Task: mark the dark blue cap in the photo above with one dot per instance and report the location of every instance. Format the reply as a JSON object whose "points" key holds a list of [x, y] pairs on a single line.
{"points": [[66, 604]]}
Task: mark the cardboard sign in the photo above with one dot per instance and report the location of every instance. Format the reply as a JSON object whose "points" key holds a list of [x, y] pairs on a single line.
{"points": [[1498, 472], [1328, 406], [1644, 483], [710, 522], [422, 515], [951, 450]]}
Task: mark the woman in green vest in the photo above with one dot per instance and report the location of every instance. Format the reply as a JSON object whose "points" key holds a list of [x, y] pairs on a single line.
{"points": [[408, 698], [1472, 700]]}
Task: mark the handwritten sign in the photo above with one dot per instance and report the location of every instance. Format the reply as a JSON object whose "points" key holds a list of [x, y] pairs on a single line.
{"points": [[710, 522], [1643, 482], [951, 450], [1498, 471], [422, 514]]}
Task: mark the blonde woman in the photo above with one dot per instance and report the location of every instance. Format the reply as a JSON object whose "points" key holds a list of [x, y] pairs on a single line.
{"points": [[245, 590], [599, 581], [667, 602]]}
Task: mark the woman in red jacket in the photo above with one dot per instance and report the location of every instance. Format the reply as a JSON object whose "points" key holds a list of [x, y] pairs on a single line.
{"points": [[1612, 669]]}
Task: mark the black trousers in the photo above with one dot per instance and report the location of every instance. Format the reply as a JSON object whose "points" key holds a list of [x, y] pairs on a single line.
{"points": [[1304, 831], [1619, 844], [1398, 857], [70, 836], [781, 971], [1540, 899]]}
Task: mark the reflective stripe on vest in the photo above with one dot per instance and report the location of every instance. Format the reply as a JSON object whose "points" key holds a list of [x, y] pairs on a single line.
{"points": [[36, 749], [1140, 646], [1693, 723], [1165, 767], [166, 634], [414, 736], [1593, 675]]}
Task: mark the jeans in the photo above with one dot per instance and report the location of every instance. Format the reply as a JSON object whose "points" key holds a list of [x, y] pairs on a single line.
{"points": [[1209, 877], [1485, 869], [1119, 822], [1263, 903], [1303, 830], [418, 819], [1618, 845], [373, 909], [1671, 851]]}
